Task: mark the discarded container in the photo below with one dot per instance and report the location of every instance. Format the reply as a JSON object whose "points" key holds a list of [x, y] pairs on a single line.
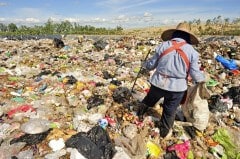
{"points": [[35, 126], [153, 149], [103, 123], [56, 145]]}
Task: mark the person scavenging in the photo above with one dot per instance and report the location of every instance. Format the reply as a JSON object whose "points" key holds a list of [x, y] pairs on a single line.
{"points": [[173, 61]]}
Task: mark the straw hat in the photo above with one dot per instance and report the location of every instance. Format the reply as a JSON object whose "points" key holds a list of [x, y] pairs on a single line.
{"points": [[185, 27]]}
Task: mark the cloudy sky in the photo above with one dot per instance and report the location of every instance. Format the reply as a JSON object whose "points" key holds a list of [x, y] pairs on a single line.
{"points": [[112, 13]]}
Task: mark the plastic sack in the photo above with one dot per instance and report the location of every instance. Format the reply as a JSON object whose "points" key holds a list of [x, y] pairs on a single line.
{"points": [[31, 139], [181, 149], [100, 45], [96, 143], [227, 63], [195, 109], [223, 137]]}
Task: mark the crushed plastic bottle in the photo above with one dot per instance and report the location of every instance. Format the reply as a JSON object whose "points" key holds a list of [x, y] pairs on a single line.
{"points": [[56, 144], [56, 154], [36, 126]]}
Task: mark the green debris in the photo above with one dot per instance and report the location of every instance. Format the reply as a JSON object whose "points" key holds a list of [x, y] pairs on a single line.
{"points": [[190, 155], [2, 69], [18, 99], [12, 78], [8, 54], [211, 83], [136, 70], [222, 136]]}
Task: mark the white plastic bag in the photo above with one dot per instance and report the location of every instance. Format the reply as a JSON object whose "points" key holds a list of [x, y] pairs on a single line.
{"points": [[195, 108]]}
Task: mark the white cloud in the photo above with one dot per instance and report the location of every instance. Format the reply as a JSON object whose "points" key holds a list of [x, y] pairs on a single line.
{"points": [[72, 20], [2, 19], [122, 5], [99, 20], [32, 20], [3, 4], [121, 18], [147, 14], [171, 21], [125, 12], [54, 19]]}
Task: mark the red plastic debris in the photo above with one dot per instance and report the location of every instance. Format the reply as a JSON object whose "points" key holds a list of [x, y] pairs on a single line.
{"points": [[181, 149], [22, 108], [111, 121]]}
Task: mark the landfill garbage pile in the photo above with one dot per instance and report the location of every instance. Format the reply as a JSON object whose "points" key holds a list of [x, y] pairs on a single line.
{"points": [[71, 98]]}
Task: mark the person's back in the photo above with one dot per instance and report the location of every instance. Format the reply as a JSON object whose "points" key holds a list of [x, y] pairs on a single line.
{"points": [[173, 65], [173, 61]]}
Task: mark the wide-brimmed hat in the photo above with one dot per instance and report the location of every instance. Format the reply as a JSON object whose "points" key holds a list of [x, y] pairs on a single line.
{"points": [[185, 27]]}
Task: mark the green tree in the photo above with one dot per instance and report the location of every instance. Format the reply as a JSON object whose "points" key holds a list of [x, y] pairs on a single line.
{"points": [[119, 28], [12, 27], [65, 27], [49, 27], [3, 27]]}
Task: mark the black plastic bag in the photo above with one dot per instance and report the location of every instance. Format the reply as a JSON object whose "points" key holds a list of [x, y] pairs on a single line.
{"points": [[85, 146], [94, 101], [233, 93], [122, 94], [107, 75], [216, 105], [191, 131], [58, 43], [100, 45], [170, 155], [116, 82], [31, 139], [71, 79], [95, 144]]}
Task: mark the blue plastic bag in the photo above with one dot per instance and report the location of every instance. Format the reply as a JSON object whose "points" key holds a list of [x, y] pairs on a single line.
{"points": [[227, 63]]}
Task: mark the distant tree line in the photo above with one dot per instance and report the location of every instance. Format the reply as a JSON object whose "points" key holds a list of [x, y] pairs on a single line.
{"points": [[216, 26], [50, 27]]}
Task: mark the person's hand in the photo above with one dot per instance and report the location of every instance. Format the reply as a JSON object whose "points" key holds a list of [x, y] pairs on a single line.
{"points": [[207, 77], [215, 55], [151, 73]]}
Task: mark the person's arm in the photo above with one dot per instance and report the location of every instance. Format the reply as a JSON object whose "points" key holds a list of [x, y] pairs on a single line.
{"points": [[152, 62], [195, 72]]}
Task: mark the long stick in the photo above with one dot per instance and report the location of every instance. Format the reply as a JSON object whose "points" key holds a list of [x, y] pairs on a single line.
{"points": [[140, 71]]}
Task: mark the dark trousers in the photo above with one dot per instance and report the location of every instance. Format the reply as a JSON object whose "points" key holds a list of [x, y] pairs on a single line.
{"points": [[170, 104]]}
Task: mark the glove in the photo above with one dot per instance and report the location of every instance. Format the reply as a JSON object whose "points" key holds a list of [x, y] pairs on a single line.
{"points": [[215, 55]]}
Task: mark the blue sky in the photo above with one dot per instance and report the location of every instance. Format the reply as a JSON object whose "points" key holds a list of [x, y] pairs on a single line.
{"points": [[112, 13]]}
